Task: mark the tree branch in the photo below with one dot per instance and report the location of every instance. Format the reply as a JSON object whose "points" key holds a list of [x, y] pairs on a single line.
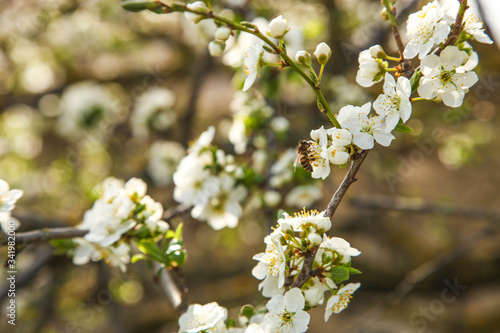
{"points": [[45, 234], [356, 162]]}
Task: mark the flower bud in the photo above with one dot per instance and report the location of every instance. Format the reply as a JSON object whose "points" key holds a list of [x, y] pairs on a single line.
{"points": [[216, 48], [324, 224], [323, 53], [303, 58], [376, 51], [315, 239], [285, 227], [278, 27], [222, 33], [198, 6]]}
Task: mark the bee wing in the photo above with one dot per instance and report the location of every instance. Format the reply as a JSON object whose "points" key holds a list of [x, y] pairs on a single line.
{"points": [[297, 160]]}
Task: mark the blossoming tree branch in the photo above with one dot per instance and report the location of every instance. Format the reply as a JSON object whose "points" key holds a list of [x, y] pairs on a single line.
{"points": [[302, 267]]}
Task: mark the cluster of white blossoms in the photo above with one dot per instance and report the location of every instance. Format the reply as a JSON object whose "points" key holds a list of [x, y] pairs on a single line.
{"points": [[8, 199], [153, 111], [88, 108], [120, 208], [251, 114], [431, 25], [206, 179], [286, 248], [164, 156], [284, 257], [327, 146]]}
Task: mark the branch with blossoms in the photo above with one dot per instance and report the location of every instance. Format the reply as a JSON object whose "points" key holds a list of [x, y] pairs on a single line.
{"points": [[302, 267]]}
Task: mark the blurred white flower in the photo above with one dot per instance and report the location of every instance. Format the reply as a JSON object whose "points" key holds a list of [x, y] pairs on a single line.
{"points": [[88, 108], [198, 6], [216, 48], [8, 199], [304, 195], [153, 111], [202, 318], [164, 156], [341, 246]]}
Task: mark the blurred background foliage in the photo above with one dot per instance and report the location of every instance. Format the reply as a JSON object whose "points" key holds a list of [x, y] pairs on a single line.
{"points": [[60, 56]]}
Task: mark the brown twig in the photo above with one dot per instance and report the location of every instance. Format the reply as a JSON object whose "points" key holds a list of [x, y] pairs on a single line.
{"points": [[415, 205], [45, 234], [307, 270], [405, 63], [350, 178]]}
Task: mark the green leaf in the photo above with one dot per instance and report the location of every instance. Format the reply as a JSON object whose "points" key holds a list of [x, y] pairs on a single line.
{"points": [[140, 5], [150, 248], [403, 128], [353, 271], [178, 232], [415, 80], [339, 274], [137, 257]]}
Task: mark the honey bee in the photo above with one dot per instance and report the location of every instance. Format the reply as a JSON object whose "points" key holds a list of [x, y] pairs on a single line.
{"points": [[303, 155]]}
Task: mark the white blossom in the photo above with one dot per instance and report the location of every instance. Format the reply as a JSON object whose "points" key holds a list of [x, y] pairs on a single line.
{"points": [[472, 25], [272, 263], [286, 313], [339, 301], [365, 129], [304, 219], [201, 318], [371, 68], [223, 209], [394, 103], [252, 65], [341, 246], [443, 77], [8, 199]]}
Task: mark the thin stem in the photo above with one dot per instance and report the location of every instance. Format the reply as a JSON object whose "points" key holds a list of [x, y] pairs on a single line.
{"points": [[414, 99], [392, 58], [255, 31], [321, 72], [405, 64], [391, 70]]}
